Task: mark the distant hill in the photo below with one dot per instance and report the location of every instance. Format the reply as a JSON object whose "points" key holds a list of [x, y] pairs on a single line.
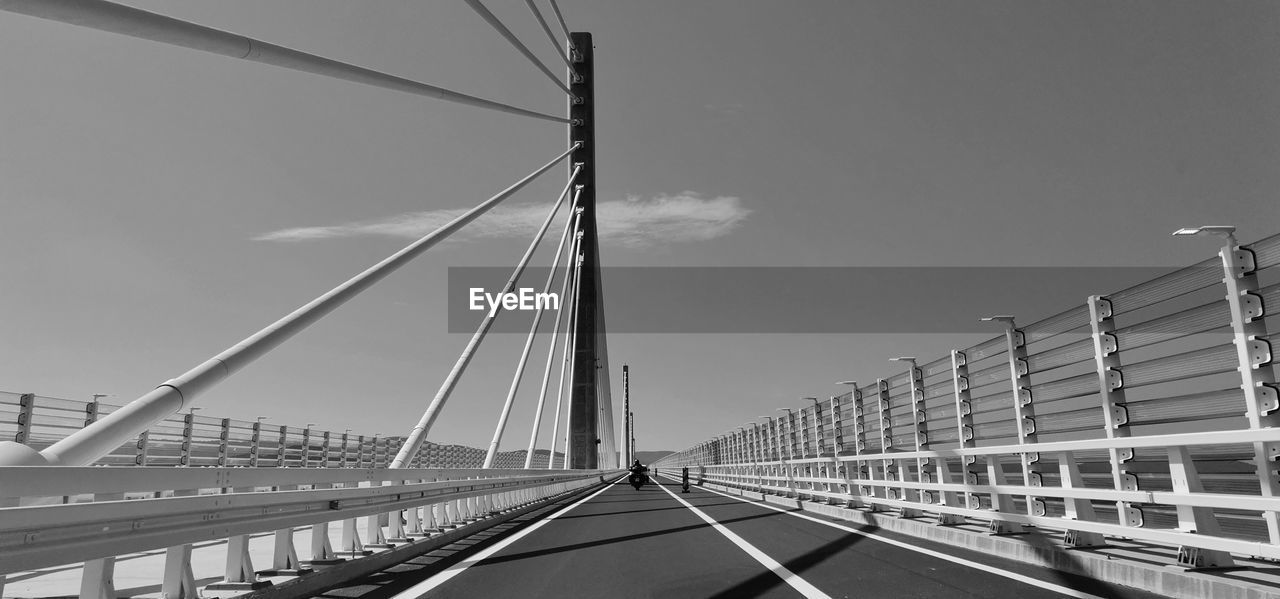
{"points": [[649, 457]]}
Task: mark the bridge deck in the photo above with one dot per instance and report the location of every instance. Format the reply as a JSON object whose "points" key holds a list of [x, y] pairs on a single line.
{"points": [[648, 543]]}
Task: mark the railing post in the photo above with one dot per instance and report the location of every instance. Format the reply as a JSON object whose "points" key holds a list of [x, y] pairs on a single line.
{"points": [[804, 437], [224, 441], [921, 431], [256, 448], [324, 454], [179, 580], [97, 578], [964, 437], [791, 454], [322, 553], [91, 411], [1115, 414], [890, 468], [1186, 480], [306, 447], [239, 574], [26, 412], [142, 454], [188, 425], [351, 544], [1077, 508], [862, 471], [1024, 412], [1257, 380], [284, 559], [282, 447]]}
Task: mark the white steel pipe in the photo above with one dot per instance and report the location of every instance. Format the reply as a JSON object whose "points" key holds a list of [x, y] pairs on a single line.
{"points": [[571, 346], [418, 435], [515, 42], [528, 344], [570, 274], [133, 22], [563, 27], [537, 14], [98, 439], [555, 332]]}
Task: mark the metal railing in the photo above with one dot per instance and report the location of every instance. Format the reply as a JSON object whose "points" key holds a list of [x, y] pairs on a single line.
{"points": [[198, 440], [60, 515], [1148, 414]]}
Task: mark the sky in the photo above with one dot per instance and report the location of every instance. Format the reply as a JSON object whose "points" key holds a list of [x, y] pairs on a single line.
{"points": [[157, 204]]}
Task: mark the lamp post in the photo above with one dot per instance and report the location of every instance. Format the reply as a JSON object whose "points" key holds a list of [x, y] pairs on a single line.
{"points": [[921, 435], [1257, 381]]}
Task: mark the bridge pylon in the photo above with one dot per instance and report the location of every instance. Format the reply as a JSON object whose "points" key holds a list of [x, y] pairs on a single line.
{"points": [[589, 409]]}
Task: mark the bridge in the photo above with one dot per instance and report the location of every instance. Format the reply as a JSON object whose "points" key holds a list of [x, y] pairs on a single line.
{"points": [[1123, 445]]}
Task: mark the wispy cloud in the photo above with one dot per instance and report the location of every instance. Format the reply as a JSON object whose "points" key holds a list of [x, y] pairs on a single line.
{"points": [[633, 222]]}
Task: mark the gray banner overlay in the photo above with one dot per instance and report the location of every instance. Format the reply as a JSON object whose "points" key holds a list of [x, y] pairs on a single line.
{"points": [[808, 300]]}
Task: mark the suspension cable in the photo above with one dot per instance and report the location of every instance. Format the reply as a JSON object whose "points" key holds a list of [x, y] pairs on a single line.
{"points": [[86, 445], [537, 14], [533, 331], [571, 347], [551, 275], [133, 22], [565, 28], [567, 313], [511, 37], [419, 433]]}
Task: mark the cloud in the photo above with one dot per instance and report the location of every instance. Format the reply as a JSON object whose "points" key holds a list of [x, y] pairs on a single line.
{"points": [[633, 222]]}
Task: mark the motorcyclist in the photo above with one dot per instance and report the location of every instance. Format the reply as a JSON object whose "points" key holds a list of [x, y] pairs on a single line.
{"points": [[638, 474]]}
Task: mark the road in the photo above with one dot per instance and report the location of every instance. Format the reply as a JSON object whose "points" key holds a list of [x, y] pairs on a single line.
{"points": [[660, 542]]}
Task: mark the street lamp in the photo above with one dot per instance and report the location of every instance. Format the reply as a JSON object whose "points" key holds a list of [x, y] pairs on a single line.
{"points": [[1227, 231]]}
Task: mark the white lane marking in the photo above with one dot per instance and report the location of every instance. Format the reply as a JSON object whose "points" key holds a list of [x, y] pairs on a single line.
{"points": [[951, 558], [440, 578], [797, 583]]}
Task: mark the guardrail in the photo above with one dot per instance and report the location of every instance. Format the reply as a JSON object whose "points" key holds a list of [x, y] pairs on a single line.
{"points": [[1149, 413], [198, 440], [58, 515]]}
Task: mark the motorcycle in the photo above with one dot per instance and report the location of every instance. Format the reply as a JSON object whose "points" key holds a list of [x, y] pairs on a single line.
{"points": [[638, 479]]}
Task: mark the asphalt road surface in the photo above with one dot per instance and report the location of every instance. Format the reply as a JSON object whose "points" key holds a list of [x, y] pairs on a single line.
{"points": [[660, 542]]}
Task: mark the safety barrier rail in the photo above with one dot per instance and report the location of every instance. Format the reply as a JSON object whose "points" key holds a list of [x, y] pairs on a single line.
{"points": [[59, 515], [199, 440], [1150, 413]]}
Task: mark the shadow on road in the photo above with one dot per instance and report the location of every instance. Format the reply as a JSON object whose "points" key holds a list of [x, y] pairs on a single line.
{"points": [[619, 539]]}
